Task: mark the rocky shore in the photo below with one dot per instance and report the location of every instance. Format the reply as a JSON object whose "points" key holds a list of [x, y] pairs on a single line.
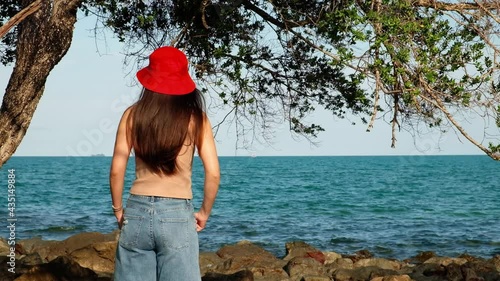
{"points": [[90, 257]]}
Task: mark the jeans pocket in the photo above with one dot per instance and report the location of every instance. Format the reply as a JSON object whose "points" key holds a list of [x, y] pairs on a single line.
{"points": [[129, 235], [174, 232]]}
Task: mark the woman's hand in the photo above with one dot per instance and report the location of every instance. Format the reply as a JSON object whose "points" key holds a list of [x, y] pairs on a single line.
{"points": [[119, 218], [201, 221]]}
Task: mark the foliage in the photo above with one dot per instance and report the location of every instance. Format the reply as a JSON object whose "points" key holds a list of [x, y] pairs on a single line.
{"points": [[262, 71], [411, 61], [8, 9]]}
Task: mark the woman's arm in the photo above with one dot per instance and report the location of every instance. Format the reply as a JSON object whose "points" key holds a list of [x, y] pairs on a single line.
{"points": [[119, 165], [208, 155]]}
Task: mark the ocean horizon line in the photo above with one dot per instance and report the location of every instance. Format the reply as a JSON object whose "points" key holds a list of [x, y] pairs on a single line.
{"points": [[256, 155]]}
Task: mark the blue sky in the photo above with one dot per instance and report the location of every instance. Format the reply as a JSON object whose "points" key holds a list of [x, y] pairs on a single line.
{"points": [[88, 90]]}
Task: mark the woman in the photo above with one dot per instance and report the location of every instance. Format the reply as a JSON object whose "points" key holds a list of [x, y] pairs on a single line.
{"points": [[158, 238]]}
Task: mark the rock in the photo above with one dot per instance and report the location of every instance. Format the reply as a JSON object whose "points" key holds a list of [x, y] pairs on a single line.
{"points": [[428, 272], [393, 278], [343, 263], [100, 257], [61, 268], [315, 278], [342, 274], [380, 272], [318, 256], [267, 274], [302, 249], [245, 255], [453, 272], [39, 246], [445, 261], [247, 252], [331, 257], [243, 275], [421, 257], [6, 275], [481, 270], [470, 258], [406, 268], [30, 260], [362, 254], [24, 263], [210, 262], [49, 250], [300, 267], [361, 273], [378, 262], [496, 262], [4, 247], [90, 257], [469, 274]]}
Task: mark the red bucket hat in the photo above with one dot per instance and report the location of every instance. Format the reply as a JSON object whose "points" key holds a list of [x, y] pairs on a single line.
{"points": [[167, 73]]}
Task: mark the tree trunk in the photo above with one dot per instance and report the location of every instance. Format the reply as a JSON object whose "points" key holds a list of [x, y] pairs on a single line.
{"points": [[43, 40]]}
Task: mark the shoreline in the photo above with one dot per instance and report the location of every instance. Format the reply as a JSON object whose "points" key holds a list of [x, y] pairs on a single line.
{"points": [[91, 254], [279, 250]]}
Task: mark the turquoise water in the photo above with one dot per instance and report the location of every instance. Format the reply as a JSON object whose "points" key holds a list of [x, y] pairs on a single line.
{"points": [[394, 206]]}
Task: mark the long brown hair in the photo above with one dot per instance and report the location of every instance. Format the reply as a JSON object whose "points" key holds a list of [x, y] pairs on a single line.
{"points": [[161, 125]]}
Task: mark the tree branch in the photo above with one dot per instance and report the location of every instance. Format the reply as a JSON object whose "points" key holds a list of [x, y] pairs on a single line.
{"points": [[378, 28], [395, 121], [436, 101], [203, 7], [267, 17], [487, 11], [19, 17], [437, 5]]}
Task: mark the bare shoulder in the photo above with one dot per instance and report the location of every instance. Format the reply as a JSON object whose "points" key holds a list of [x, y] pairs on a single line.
{"points": [[126, 114], [206, 121], [128, 111]]}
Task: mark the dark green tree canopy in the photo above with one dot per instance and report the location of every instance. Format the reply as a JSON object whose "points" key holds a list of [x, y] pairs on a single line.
{"points": [[407, 62], [8, 9]]}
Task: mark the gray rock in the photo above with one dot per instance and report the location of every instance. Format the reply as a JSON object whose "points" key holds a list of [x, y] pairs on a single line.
{"points": [[315, 278], [61, 268], [361, 273], [49, 250], [245, 255], [378, 262], [480, 270], [211, 262], [453, 272], [428, 272], [99, 256], [421, 257], [243, 275], [496, 262], [393, 278], [331, 257], [445, 261], [303, 250], [299, 267], [30, 259], [4, 247]]}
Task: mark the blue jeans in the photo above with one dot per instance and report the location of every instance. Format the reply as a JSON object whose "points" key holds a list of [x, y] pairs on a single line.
{"points": [[158, 241]]}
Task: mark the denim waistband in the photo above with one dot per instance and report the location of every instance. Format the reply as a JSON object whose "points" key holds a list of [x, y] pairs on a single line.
{"points": [[152, 199]]}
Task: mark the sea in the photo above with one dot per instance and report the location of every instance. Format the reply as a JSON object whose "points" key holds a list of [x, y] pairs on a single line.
{"points": [[392, 206]]}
